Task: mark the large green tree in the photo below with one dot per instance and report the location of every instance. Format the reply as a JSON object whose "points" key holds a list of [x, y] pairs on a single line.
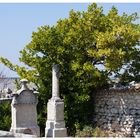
{"points": [[80, 44]]}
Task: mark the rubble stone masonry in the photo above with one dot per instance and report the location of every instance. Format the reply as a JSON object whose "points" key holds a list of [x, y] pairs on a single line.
{"points": [[118, 110]]}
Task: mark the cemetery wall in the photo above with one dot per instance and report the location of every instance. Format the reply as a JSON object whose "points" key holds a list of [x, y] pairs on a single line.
{"points": [[118, 110]]}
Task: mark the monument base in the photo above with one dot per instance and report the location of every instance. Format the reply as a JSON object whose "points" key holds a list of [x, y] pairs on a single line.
{"points": [[55, 125], [56, 132], [27, 130]]}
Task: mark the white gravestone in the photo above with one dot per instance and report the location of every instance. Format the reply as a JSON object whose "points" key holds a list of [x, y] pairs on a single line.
{"points": [[55, 124], [24, 113]]}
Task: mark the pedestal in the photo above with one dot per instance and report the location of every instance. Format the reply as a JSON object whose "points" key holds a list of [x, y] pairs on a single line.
{"points": [[55, 125]]}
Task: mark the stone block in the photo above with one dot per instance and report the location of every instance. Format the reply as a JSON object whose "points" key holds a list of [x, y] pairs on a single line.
{"points": [[6, 134], [55, 110], [15, 135], [62, 132], [56, 132]]}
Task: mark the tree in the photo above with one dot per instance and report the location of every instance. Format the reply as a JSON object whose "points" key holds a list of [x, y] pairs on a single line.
{"points": [[79, 43], [132, 70]]}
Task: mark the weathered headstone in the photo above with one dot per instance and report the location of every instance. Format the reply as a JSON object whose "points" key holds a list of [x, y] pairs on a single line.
{"points": [[24, 114], [55, 124]]}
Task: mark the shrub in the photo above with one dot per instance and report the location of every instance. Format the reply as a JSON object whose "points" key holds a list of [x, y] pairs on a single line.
{"points": [[5, 116], [89, 131]]}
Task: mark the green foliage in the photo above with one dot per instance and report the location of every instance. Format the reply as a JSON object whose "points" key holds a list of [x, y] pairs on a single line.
{"points": [[90, 131], [5, 116], [87, 131], [97, 132], [79, 44], [17, 83], [132, 71]]}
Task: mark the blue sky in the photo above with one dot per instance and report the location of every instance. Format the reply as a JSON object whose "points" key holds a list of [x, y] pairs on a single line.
{"points": [[18, 21]]}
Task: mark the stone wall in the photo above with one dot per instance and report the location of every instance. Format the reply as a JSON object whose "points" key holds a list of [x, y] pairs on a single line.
{"points": [[118, 110]]}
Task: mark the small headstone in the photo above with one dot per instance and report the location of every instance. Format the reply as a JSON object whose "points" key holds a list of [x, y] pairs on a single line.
{"points": [[24, 113]]}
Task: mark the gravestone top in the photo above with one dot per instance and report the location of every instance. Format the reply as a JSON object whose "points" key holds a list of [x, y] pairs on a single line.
{"points": [[25, 95], [24, 83]]}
